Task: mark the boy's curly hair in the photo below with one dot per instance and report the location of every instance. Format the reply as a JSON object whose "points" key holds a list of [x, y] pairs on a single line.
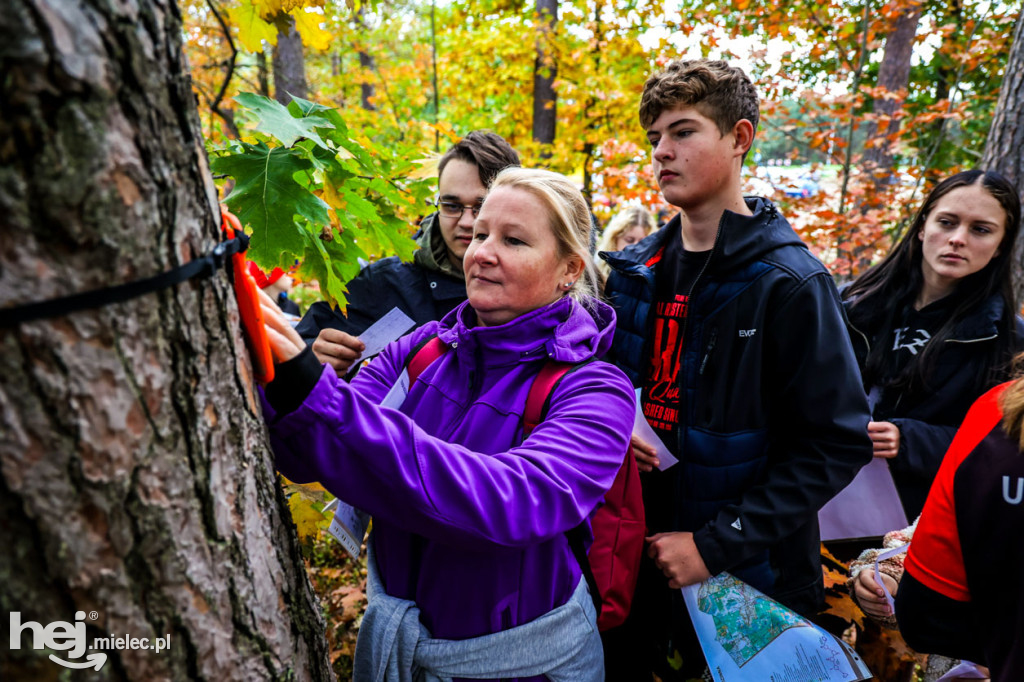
{"points": [[721, 92]]}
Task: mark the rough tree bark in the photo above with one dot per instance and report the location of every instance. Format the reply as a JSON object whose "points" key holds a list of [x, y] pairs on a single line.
{"points": [[894, 76], [1006, 137], [289, 62], [544, 72], [136, 484]]}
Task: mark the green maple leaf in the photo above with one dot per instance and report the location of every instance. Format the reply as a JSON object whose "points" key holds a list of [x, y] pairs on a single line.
{"points": [[267, 197], [278, 121]]}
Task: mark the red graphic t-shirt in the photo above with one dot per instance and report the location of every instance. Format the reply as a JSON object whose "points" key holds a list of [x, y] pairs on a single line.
{"points": [[674, 278]]}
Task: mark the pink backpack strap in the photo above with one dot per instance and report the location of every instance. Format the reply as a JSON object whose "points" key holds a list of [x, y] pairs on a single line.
{"points": [[539, 397], [423, 355]]}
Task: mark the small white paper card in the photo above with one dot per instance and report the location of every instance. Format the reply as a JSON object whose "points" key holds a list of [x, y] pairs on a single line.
{"points": [[396, 396], [868, 507], [348, 526], [641, 428], [384, 331]]}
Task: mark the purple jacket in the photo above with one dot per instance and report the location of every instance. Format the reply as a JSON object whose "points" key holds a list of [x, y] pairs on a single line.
{"points": [[469, 520]]}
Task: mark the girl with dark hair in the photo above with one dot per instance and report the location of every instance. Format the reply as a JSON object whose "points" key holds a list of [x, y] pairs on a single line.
{"points": [[934, 325]]}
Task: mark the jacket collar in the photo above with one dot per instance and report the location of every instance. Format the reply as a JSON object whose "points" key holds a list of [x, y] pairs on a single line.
{"points": [[433, 254], [740, 239], [564, 331], [981, 323]]}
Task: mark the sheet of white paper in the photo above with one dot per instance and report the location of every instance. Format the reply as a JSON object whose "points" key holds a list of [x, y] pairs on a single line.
{"points": [[647, 434], [348, 526], [868, 507], [384, 331], [747, 636]]}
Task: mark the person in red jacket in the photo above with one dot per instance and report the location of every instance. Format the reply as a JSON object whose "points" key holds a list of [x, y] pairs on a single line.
{"points": [[962, 594]]}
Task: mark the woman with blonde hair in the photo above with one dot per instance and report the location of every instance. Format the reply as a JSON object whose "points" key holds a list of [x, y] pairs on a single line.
{"points": [[629, 226], [471, 574]]}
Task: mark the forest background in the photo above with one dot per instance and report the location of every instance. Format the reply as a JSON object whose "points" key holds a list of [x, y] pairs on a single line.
{"points": [[865, 104], [137, 485]]}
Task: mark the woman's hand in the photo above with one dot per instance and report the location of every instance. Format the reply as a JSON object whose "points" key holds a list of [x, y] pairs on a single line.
{"points": [[870, 596], [645, 454], [285, 342], [885, 436]]}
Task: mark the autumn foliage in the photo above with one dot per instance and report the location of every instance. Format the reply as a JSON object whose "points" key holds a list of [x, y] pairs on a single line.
{"points": [[394, 82]]}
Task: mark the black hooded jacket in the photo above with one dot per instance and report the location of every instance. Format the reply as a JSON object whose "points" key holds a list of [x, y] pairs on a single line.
{"points": [[773, 417], [929, 417]]}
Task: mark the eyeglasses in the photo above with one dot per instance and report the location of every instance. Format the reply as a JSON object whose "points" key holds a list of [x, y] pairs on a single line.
{"points": [[451, 209]]}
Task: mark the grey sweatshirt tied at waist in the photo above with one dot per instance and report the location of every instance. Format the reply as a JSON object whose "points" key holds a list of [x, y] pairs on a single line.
{"points": [[393, 646]]}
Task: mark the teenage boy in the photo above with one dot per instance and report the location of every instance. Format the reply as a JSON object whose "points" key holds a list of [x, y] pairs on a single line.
{"points": [[433, 283], [733, 331]]}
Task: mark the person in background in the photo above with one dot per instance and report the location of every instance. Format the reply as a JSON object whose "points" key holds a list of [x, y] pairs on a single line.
{"points": [[962, 594], [934, 325], [277, 285], [734, 333], [433, 283], [469, 538], [629, 226]]}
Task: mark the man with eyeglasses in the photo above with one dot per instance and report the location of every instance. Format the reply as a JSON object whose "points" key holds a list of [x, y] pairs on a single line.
{"points": [[433, 283]]}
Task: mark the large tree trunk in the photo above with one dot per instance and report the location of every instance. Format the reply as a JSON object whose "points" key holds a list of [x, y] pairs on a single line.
{"points": [[1006, 137], [136, 485], [544, 72], [289, 62], [894, 77]]}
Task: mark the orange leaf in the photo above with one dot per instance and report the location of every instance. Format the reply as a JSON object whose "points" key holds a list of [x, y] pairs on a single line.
{"points": [[843, 606]]}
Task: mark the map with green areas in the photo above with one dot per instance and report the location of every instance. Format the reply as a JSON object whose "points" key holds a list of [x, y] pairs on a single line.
{"points": [[745, 621]]}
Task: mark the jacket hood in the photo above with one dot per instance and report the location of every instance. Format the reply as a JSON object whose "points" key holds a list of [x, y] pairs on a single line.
{"points": [[433, 254], [565, 331], [741, 239]]}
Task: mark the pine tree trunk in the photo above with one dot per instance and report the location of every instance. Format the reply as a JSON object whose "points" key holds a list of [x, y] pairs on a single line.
{"points": [[894, 76], [289, 62], [1006, 137], [136, 484], [544, 73]]}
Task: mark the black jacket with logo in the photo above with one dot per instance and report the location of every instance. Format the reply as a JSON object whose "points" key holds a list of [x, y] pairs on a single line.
{"points": [[773, 417], [928, 418], [425, 290]]}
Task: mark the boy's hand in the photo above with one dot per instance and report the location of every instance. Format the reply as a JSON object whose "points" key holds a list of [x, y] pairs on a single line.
{"points": [[285, 342], [646, 456], [885, 436], [869, 595], [336, 348], [678, 558]]}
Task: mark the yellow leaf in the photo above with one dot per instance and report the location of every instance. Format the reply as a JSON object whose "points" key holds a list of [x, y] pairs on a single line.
{"points": [[307, 23], [251, 28], [306, 517]]}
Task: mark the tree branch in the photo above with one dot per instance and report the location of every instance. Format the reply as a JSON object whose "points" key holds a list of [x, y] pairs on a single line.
{"points": [[227, 116]]}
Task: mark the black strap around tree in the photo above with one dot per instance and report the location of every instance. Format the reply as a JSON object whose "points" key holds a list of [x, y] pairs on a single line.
{"points": [[204, 266]]}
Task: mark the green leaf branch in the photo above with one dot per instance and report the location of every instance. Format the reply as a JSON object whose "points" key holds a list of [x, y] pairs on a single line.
{"points": [[308, 191]]}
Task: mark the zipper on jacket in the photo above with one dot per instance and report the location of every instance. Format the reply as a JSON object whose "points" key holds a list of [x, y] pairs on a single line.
{"points": [[684, 407], [707, 352]]}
